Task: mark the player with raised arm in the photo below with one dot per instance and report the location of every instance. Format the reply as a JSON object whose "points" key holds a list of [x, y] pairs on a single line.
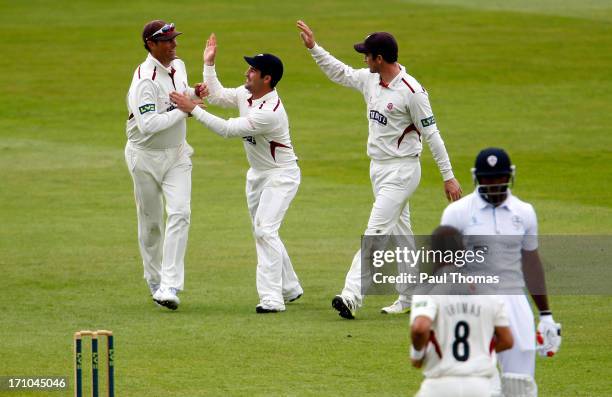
{"points": [[399, 117], [273, 177]]}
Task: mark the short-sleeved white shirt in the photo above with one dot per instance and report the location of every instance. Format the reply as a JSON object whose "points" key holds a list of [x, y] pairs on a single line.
{"points": [[462, 330], [512, 225]]}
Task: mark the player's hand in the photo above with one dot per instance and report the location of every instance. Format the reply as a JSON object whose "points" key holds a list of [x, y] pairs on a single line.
{"points": [[210, 51], [548, 337], [183, 101], [306, 34], [452, 189], [201, 90]]}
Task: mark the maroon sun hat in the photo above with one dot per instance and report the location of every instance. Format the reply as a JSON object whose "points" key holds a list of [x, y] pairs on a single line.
{"points": [[159, 30]]}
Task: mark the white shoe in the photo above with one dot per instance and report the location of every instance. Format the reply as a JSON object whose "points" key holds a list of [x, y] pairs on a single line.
{"points": [[293, 297], [167, 297], [153, 287], [267, 307], [398, 307]]}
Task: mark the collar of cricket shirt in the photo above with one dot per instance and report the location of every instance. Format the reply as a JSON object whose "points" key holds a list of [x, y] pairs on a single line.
{"points": [[395, 79], [169, 70], [269, 97], [482, 204]]}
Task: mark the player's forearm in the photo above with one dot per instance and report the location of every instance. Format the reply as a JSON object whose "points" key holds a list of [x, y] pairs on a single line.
{"points": [[533, 272], [217, 94], [440, 155], [151, 122], [191, 92], [226, 128], [503, 339], [420, 332], [335, 70]]}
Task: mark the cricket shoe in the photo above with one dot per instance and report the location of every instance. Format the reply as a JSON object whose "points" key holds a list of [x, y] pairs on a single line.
{"points": [[398, 307], [267, 307], [153, 287], [294, 297], [345, 307], [167, 298]]}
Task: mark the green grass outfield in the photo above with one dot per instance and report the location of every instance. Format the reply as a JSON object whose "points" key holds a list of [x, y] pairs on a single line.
{"points": [[533, 77]]}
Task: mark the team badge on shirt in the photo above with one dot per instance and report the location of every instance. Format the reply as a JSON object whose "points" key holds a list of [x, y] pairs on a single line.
{"points": [[516, 221], [389, 106]]}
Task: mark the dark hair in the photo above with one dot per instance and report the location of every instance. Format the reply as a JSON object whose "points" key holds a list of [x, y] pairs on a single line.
{"points": [[389, 58]]}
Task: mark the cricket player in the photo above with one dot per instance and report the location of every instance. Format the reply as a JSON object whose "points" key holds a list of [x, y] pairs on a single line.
{"points": [[159, 160], [453, 336], [273, 177], [512, 252], [399, 117]]}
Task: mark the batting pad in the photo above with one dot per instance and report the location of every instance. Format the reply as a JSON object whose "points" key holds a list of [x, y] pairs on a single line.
{"points": [[518, 385]]}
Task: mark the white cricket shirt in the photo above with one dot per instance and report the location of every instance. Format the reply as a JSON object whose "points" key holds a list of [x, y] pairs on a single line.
{"points": [[263, 123], [512, 227], [462, 330], [399, 114], [153, 121]]}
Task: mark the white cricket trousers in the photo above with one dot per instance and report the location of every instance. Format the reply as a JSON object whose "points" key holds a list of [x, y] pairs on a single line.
{"points": [[269, 193], [520, 359], [455, 386], [162, 177], [393, 182]]}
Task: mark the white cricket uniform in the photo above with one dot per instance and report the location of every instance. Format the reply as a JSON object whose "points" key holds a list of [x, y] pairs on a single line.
{"points": [[399, 115], [271, 182], [159, 160], [514, 222], [459, 359]]}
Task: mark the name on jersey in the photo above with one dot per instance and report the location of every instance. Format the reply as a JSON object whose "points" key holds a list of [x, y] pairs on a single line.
{"points": [[428, 121], [463, 308], [149, 107], [378, 117], [249, 139]]}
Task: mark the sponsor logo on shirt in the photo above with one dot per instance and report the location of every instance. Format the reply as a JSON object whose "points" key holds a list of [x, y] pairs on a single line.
{"points": [[428, 121], [149, 107], [170, 108], [379, 118], [250, 139]]}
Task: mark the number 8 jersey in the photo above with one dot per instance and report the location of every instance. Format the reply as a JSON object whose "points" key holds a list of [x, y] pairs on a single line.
{"points": [[461, 342]]}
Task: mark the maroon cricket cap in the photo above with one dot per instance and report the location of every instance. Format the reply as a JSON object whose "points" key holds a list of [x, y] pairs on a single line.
{"points": [[159, 30], [379, 43]]}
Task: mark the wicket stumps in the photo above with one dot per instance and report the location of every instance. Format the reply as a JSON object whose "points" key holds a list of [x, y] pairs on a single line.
{"points": [[78, 362]]}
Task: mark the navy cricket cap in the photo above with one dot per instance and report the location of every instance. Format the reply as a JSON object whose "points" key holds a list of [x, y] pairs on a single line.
{"points": [[379, 43], [492, 162], [267, 64], [159, 30]]}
